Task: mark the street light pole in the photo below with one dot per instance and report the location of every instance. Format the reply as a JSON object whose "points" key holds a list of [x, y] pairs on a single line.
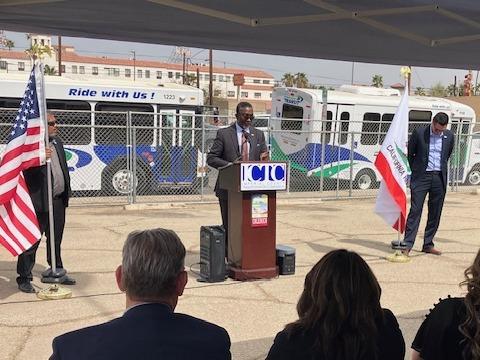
{"points": [[210, 85], [59, 55], [134, 65]]}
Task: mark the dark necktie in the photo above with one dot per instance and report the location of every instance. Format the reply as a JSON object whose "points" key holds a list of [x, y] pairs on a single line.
{"points": [[244, 146]]}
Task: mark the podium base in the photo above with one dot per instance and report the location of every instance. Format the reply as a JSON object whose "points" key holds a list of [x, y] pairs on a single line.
{"points": [[252, 274]]}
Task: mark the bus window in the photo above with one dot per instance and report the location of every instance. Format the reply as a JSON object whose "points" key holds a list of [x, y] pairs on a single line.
{"points": [[111, 122], [385, 125], [260, 122], [327, 128], [417, 119], [75, 113], [8, 112], [291, 112], [370, 129], [344, 122]]}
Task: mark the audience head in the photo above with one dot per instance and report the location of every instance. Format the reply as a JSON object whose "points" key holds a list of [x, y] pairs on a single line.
{"points": [[340, 303], [152, 267], [470, 328]]}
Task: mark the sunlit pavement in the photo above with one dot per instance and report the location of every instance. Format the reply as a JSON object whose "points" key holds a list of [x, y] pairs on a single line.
{"points": [[252, 312]]}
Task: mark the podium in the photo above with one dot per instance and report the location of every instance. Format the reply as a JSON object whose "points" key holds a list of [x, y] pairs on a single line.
{"points": [[251, 188]]}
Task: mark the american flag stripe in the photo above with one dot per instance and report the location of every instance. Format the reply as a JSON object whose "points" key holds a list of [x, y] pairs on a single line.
{"points": [[25, 148]]}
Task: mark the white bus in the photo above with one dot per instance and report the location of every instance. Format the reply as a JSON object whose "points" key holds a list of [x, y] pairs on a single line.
{"points": [[96, 122], [358, 118]]}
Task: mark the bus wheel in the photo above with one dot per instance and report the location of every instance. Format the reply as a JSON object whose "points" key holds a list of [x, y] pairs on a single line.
{"points": [[365, 179], [118, 180], [473, 177]]}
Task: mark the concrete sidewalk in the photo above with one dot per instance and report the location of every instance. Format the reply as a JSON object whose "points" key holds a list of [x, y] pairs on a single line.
{"points": [[252, 312]]}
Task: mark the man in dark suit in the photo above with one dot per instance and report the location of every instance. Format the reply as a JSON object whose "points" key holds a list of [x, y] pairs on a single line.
{"points": [[153, 276], [238, 142], [36, 179], [429, 149]]}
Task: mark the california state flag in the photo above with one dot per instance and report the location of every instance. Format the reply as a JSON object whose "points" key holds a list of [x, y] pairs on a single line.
{"points": [[392, 163]]}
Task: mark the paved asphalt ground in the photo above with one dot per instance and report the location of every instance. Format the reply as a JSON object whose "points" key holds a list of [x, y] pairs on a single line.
{"points": [[252, 312]]}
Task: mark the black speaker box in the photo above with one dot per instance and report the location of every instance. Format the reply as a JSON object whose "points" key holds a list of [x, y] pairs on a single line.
{"points": [[212, 253], [285, 260]]}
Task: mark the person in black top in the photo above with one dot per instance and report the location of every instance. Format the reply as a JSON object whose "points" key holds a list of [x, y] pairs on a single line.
{"points": [[452, 329], [340, 316]]}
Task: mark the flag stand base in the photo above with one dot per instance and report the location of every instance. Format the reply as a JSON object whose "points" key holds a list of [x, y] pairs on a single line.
{"points": [[397, 257], [54, 292], [53, 277]]}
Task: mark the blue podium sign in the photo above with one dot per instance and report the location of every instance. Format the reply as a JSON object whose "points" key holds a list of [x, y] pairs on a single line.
{"points": [[256, 176]]}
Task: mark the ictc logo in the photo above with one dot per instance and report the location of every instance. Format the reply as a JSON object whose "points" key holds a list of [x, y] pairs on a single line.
{"points": [[264, 172]]}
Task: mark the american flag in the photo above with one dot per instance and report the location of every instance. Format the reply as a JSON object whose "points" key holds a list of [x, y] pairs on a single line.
{"points": [[25, 148]]}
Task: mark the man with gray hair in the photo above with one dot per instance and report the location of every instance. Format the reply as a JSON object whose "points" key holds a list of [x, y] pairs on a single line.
{"points": [[153, 276]]}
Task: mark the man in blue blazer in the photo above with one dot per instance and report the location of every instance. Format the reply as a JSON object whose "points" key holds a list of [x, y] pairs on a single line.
{"points": [[153, 276], [429, 149], [238, 142]]}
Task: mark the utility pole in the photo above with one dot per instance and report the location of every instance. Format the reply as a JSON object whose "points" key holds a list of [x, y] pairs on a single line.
{"points": [[353, 70], [210, 85], [198, 78], [134, 65], [183, 76], [59, 55]]}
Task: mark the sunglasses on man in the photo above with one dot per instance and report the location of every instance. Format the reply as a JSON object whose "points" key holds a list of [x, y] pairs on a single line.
{"points": [[246, 116]]}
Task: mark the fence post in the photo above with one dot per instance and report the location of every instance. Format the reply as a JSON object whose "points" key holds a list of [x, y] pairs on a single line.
{"points": [[135, 180], [203, 171], [322, 135], [352, 142]]}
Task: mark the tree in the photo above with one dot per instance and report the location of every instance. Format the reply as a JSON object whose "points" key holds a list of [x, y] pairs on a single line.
{"points": [[9, 44], [476, 89], [301, 80], [49, 70], [420, 91], [377, 81], [452, 90], [190, 79], [39, 51], [438, 90], [288, 80]]}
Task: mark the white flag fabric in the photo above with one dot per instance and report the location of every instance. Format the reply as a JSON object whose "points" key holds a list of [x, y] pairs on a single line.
{"points": [[392, 163]]}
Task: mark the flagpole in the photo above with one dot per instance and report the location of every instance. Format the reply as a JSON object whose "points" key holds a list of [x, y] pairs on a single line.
{"points": [[54, 275], [51, 276]]}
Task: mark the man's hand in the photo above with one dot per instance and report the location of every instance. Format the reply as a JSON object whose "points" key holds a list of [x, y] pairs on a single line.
{"points": [[48, 152], [264, 156]]}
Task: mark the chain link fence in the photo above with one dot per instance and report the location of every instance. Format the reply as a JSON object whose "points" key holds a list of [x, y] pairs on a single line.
{"points": [[139, 157]]}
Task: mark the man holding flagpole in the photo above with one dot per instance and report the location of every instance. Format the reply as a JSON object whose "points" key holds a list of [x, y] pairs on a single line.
{"points": [[36, 179], [429, 149]]}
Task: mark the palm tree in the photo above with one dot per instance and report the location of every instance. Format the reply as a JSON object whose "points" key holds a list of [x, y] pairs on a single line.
{"points": [[39, 51], [377, 81], [438, 90], [49, 70], [301, 80], [420, 91], [288, 80], [9, 44], [190, 79]]}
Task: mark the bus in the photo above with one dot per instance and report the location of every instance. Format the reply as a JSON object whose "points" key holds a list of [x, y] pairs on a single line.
{"points": [[112, 131], [345, 144]]}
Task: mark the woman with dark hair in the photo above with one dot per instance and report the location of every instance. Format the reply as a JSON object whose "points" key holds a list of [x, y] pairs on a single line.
{"points": [[452, 329], [340, 317]]}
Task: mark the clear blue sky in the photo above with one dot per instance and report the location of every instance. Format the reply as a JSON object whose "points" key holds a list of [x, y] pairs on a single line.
{"points": [[321, 72]]}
